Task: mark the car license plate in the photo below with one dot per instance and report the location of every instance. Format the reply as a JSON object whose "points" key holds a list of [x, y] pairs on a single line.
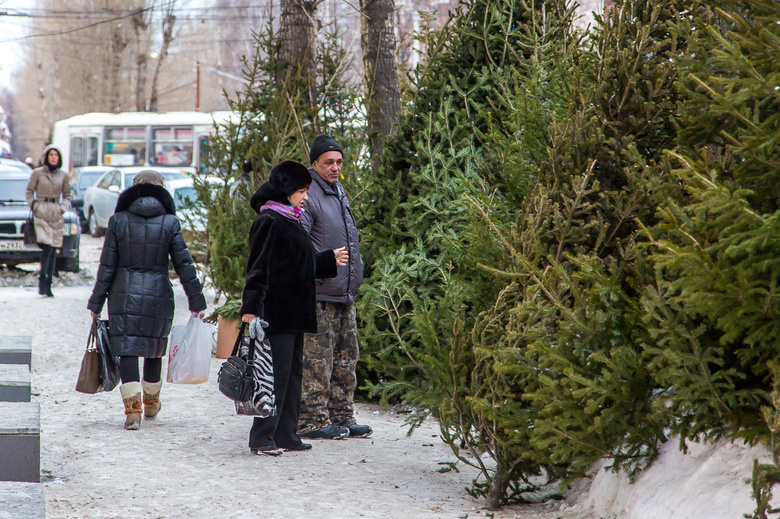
{"points": [[12, 245]]}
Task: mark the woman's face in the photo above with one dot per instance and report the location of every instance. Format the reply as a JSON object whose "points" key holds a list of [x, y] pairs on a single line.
{"points": [[53, 157], [299, 198]]}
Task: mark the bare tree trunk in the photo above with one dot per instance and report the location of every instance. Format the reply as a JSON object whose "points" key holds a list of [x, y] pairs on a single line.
{"points": [[140, 26], [380, 72], [118, 45], [167, 27], [296, 49], [497, 490]]}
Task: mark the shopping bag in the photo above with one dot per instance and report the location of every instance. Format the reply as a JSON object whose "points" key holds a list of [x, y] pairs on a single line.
{"points": [[109, 364], [189, 354]]}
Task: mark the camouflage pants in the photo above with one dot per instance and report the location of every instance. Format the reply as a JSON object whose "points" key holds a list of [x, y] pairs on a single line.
{"points": [[329, 361]]}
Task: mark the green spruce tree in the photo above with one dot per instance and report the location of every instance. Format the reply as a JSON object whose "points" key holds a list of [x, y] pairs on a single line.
{"points": [[570, 313], [475, 132]]}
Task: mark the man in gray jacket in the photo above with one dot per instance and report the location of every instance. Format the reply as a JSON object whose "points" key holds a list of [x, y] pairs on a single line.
{"points": [[330, 356]]}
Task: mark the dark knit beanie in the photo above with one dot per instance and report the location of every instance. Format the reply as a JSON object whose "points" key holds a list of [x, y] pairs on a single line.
{"points": [[322, 144], [289, 176]]}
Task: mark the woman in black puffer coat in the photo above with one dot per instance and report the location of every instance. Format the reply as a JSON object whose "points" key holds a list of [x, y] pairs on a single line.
{"points": [[133, 274]]}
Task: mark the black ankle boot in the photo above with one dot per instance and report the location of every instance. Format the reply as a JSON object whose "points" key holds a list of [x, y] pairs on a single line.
{"points": [[44, 287]]}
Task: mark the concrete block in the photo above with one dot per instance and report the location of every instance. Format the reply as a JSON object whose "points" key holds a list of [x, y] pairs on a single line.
{"points": [[14, 383], [16, 349], [22, 500], [20, 441]]}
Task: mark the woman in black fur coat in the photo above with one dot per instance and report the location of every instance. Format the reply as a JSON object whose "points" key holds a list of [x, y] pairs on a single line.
{"points": [[280, 290], [133, 274]]}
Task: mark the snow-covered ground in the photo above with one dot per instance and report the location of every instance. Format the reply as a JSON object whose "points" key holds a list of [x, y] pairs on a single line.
{"points": [[193, 460]]}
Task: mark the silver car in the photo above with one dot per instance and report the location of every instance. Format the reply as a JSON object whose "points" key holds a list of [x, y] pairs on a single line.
{"points": [[100, 199]]}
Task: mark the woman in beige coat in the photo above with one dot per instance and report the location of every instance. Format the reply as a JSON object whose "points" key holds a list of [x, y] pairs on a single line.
{"points": [[48, 195]]}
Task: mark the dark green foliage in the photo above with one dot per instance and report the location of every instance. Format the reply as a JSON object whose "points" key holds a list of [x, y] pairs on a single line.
{"points": [[716, 247]]}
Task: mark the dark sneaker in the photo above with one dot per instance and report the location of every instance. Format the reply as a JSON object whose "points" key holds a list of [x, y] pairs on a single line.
{"points": [[329, 432], [359, 431], [267, 451]]}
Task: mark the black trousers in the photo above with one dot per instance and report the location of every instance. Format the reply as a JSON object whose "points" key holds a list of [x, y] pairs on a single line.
{"points": [[279, 430], [48, 262], [128, 369]]}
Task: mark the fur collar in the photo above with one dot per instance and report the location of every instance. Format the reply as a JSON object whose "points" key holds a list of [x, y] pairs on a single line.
{"points": [[133, 193]]}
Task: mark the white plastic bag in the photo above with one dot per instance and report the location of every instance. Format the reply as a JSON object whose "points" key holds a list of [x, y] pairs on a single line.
{"points": [[189, 352]]}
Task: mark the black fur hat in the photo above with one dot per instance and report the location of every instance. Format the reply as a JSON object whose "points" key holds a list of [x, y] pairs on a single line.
{"points": [[289, 176]]}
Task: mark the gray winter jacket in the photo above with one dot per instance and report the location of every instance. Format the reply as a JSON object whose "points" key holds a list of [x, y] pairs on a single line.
{"points": [[328, 220]]}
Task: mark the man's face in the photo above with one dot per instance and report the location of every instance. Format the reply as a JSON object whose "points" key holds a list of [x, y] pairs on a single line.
{"points": [[328, 166]]}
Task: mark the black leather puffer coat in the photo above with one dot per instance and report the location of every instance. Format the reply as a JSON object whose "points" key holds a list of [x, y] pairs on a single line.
{"points": [[141, 236]]}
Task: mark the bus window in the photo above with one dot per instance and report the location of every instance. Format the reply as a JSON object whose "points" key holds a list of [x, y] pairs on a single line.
{"points": [[124, 146], [203, 153], [76, 153], [171, 146], [91, 154]]}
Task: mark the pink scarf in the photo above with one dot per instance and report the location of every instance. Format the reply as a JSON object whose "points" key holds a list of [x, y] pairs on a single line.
{"points": [[288, 211]]}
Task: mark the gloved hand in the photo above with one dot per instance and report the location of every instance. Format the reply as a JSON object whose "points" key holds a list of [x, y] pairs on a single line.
{"points": [[256, 330]]}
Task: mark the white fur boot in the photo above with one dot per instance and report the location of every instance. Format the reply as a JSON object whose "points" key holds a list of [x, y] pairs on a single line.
{"points": [[131, 396], [152, 403]]}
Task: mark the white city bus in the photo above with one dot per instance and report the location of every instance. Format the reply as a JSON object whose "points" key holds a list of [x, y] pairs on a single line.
{"points": [[172, 139]]}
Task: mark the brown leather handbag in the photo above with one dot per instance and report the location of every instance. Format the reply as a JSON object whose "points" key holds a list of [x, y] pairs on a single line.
{"points": [[89, 376], [99, 368]]}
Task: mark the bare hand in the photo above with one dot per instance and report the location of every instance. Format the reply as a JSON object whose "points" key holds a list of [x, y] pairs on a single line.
{"points": [[93, 314], [342, 256], [199, 315], [247, 318]]}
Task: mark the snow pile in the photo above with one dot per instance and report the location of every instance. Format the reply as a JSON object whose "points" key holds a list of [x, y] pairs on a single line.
{"points": [[710, 481]]}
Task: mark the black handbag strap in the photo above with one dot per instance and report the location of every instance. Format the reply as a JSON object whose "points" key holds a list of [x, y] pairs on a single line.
{"points": [[240, 337], [251, 353]]}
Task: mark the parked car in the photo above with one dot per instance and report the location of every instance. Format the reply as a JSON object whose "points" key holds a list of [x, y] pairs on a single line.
{"points": [[14, 212], [16, 164], [100, 199], [192, 215], [86, 177]]}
